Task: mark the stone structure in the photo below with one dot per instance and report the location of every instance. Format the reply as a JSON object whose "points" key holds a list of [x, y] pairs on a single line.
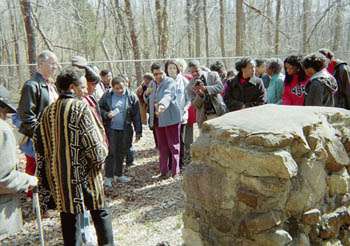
{"points": [[270, 175]]}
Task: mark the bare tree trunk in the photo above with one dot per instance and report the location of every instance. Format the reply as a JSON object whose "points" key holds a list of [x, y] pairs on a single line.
{"points": [[26, 10], [306, 19], [338, 22], [293, 23], [162, 25], [122, 28], [348, 39], [269, 27], [134, 42], [189, 27], [197, 28], [222, 29], [97, 17], [206, 30], [277, 33], [146, 48], [159, 24], [239, 27], [15, 38], [164, 34], [103, 45]]}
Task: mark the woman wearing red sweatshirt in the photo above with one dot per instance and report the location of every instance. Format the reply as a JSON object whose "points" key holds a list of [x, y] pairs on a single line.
{"points": [[294, 82]]}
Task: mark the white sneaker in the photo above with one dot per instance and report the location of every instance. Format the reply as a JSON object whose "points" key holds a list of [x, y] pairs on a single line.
{"points": [[122, 179], [108, 182]]}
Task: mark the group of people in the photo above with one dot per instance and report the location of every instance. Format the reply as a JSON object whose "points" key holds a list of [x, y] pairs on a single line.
{"points": [[317, 79], [85, 121], [177, 94]]}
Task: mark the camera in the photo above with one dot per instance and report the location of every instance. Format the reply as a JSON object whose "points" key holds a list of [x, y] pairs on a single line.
{"points": [[198, 82]]}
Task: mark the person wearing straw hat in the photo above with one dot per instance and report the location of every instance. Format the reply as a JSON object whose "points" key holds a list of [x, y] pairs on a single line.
{"points": [[11, 180]]}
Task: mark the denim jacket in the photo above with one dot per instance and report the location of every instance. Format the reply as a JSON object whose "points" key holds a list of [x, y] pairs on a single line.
{"points": [[165, 94]]}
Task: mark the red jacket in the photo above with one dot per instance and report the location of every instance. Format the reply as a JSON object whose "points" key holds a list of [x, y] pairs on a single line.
{"points": [[294, 92], [191, 110], [191, 115]]}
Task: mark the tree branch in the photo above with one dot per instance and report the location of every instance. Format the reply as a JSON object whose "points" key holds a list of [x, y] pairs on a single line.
{"points": [[321, 18], [259, 12], [42, 34]]}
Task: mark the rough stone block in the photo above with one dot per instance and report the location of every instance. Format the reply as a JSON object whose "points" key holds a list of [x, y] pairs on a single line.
{"points": [[275, 238], [247, 197], [256, 223], [262, 174], [339, 183], [312, 217], [332, 242], [301, 240], [191, 237]]}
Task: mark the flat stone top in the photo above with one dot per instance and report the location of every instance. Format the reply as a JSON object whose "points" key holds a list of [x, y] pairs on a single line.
{"points": [[271, 118]]}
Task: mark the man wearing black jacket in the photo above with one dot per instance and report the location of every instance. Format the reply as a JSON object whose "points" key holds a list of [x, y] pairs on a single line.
{"points": [[341, 72], [37, 93]]}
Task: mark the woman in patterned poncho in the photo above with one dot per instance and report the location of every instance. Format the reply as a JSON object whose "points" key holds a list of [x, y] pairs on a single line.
{"points": [[70, 152]]}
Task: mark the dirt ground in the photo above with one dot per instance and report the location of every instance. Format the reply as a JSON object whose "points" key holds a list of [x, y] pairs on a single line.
{"points": [[145, 211]]}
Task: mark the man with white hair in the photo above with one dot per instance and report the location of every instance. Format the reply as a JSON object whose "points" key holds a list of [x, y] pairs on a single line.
{"points": [[37, 93]]}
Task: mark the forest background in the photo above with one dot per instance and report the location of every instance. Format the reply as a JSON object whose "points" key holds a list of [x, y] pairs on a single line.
{"points": [[126, 36]]}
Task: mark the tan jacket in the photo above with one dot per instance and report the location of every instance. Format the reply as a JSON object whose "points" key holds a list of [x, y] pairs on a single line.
{"points": [[11, 180], [214, 88]]}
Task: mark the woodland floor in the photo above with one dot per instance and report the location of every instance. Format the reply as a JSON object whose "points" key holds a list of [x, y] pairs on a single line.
{"points": [[145, 211]]}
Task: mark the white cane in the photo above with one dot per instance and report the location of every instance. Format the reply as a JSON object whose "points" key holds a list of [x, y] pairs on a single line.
{"points": [[36, 207]]}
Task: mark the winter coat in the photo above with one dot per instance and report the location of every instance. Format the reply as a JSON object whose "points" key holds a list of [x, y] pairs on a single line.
{"points": [[34, 99], [249, 94], [321, 89], [70, 153], [11, 180], [143, 105], [275, 89], [132, 110], [214, 87], [294, 92], [182, 97], [165, 94], [342, 75]]}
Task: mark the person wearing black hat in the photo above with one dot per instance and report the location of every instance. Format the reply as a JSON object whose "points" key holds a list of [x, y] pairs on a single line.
{"points": [[92, 80], [11, 180], [92, 76], [6, 106]]}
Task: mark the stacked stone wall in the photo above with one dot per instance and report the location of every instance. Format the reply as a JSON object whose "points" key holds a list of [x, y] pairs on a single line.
{"points": [[270, 175]]}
